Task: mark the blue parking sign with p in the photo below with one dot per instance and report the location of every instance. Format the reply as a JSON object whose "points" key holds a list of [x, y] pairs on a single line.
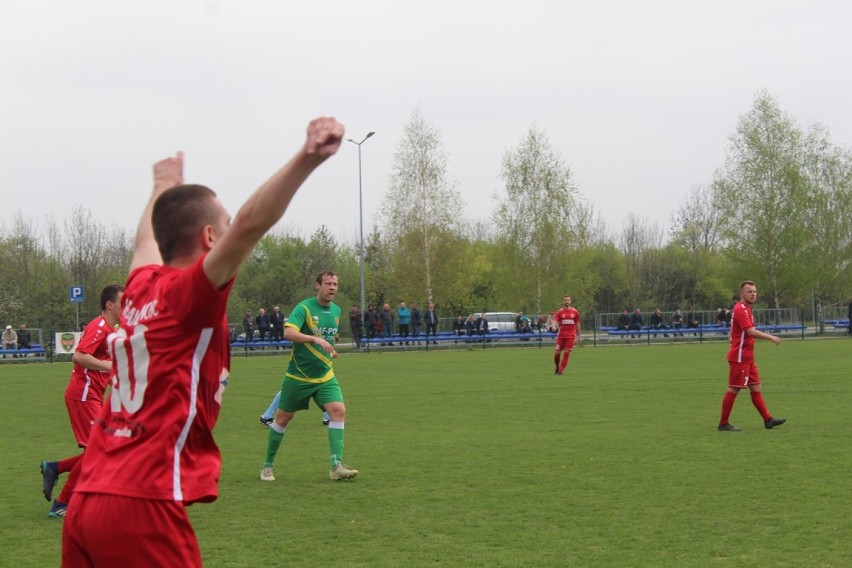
{"points": [[76, 294]]}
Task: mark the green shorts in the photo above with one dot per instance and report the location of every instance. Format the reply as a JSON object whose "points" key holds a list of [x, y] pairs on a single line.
{"points": [[296, 395]]}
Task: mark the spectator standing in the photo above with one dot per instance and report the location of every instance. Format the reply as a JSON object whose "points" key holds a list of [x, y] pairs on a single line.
{"points": [[248, 326], [416, 321], [849, 317], [84, 395], [263, 325], [153, 452], [25, 338], [355, 325], [743, 373], [276, 320], [430, 316], [568, 321], [404, 316], [371, 320], [386, 321]]}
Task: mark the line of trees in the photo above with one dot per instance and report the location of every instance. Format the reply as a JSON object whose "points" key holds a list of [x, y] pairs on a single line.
{"points": [[778, 211]]}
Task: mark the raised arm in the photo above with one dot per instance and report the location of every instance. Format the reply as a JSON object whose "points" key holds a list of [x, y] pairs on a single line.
{"points": [[267, 205], [168, 173]]}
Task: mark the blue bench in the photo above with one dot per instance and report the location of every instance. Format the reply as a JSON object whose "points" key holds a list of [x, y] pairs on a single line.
{"points": [[447, 337], [705, 329], [780, 328], [257, 344], [837, 323], [35, 352]]}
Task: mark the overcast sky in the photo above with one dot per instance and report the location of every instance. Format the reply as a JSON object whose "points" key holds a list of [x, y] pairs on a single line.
{"points": [[638, 97]]}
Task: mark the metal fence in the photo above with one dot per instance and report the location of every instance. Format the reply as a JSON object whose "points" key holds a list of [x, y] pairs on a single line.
{"points": [[766, 316]]}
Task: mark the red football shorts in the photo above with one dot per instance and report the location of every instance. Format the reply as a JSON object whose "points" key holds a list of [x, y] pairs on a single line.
{"points": [[110, 530], [565, 343], [742, 375], [82, 415]]}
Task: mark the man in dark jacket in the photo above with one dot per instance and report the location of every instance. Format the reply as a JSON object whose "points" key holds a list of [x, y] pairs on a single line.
{"points": [[416, 320], [355, 325], [276, 320], [263, 325], [430, 316], [25, 338], [386, 319], [849, 317], [371, 318], [624, 321], [248, 326], [636, 321]]}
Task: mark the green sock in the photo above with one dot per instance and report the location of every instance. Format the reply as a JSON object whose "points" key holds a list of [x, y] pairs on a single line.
{"points": [[335, 444], [272, 445]]}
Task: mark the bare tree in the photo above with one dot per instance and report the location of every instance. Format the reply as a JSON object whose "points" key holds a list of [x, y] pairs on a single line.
{"points": [[695, 224]]}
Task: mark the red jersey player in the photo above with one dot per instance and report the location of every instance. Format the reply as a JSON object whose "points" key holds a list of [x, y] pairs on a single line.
{"points": [[84, 395], [743, 372], [567, 319], [151, 452]]}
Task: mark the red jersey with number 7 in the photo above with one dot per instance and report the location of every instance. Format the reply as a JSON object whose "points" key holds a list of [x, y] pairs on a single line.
{"points": [[742, 344], [567, 318], [171, 358]]}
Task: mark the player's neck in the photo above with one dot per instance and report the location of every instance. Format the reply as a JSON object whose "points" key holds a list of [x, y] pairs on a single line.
{"points": [[108, 319]]}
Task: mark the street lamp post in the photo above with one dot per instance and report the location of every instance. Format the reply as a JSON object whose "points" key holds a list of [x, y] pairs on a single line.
{"points": [[361, 229]]}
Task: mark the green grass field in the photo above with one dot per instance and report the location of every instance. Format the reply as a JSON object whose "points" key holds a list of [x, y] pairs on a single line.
{"points": [[485, 458]]}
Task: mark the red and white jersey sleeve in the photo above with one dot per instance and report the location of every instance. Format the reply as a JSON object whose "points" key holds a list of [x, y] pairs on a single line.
{"points": [[88, 384], [742, 344], [567, 318], [171, 360]]}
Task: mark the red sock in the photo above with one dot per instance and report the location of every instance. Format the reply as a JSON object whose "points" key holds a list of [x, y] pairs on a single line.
{"points": [[564, 363], [66, 465], [727, 406], [556, 357], [757, 401], [70, 483]]}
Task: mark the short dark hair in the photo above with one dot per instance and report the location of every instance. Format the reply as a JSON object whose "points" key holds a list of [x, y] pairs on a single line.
{"points": [[110, 293], [746, 283], [178, 215], [323, 274]]}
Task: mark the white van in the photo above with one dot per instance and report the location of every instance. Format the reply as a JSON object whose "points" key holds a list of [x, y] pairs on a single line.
{"points": [[499, 321]]}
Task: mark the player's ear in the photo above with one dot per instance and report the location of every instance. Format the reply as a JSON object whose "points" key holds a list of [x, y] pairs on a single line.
{"points": [[208, 237]]}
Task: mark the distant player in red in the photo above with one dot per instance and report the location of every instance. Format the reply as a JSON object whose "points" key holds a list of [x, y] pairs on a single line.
{"points": [[743, 372], [151, 452], [567, 320], [84, 396]]}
